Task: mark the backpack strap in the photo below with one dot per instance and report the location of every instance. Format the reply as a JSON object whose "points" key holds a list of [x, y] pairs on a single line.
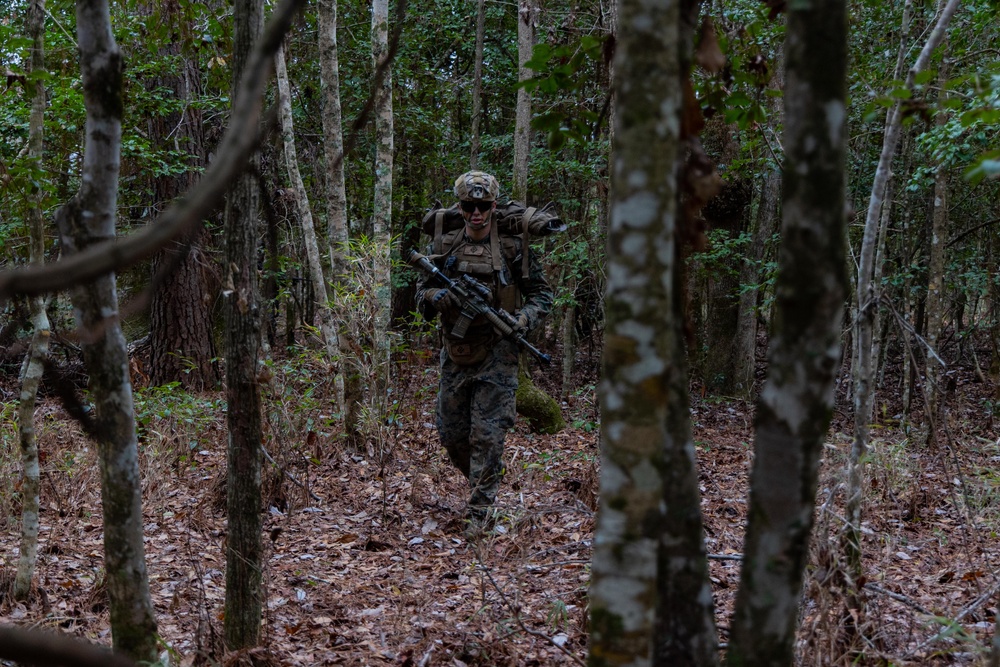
{"points": [[438, 230], [525, 234], [495, 247]]}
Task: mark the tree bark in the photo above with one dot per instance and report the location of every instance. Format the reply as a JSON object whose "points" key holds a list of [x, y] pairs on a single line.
{"points": [[87, 218], [38, 352], [477, 85], [796, 405], [650, 600], [182, 346], [867, 302], [934, 370], [382, 201], [243, 604], [750, 274], [328, 327], [333, 138], [522, 122]]}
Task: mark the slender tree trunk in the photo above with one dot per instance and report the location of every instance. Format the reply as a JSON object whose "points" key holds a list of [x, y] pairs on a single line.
{"points": [[934, 371], [89, 217], [333, 138], [383, 196], [327, 325], [244, 604], [867, 302], [796, 405], [750, 275], [522, 123], [477, 85], [38, 352]]}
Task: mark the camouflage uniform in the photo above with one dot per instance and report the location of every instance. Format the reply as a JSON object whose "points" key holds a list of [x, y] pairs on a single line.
{"points": [[475, 405]]}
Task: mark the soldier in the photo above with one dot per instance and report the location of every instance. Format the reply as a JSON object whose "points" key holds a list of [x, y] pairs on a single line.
{"points": [[475, 404]]}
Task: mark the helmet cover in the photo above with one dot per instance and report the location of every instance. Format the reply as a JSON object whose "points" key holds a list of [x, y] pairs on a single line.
{"points": [[476, 186]]}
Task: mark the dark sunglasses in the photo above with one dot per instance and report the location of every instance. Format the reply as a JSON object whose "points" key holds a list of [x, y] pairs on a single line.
{"points": [[481, 206]]}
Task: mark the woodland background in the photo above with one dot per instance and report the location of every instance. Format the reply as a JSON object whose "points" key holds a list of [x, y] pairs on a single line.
{"points": [[352, 478]]}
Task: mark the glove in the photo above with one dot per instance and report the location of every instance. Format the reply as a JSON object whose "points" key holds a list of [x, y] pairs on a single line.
{"points": [[443, 301], [522, 323]]}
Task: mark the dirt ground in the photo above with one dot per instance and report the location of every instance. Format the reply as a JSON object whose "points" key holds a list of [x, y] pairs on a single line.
{"points": [[366, 563]]}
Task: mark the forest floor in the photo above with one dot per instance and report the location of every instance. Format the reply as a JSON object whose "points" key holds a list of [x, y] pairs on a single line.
{"points": [[366, 563]]}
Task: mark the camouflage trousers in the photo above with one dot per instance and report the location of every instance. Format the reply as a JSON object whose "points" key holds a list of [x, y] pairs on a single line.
{"points": [[475, 408]]}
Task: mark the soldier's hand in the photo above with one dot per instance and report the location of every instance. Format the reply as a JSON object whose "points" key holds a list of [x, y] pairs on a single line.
{"points": [[522, 323], [443, 301]]}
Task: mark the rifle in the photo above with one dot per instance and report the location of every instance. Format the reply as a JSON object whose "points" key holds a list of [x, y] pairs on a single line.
{"points": [[475, 297]]}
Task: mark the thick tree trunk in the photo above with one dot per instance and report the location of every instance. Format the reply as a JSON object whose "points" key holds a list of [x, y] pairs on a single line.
{"points": [[796, 405], [87, 218], [182, 345], [650, 600], [243, 604], [38, 352]]}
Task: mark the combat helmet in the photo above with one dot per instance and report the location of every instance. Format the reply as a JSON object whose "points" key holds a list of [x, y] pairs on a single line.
{"points": [[476, 186]]}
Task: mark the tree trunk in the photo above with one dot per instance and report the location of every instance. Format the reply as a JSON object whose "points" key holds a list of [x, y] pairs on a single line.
{"points": [[38, 352], [87, 218], [327, 326], [244, 604], [796, 405], [745, 357], [182, 345], [867, 302], [477, 85], [522, 123], [333, 138], [727, 212], [383, 198], [650, 598], [934, 370]]}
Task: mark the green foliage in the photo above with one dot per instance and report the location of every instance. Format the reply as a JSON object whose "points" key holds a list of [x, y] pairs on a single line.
{"points": [[169, 411]]}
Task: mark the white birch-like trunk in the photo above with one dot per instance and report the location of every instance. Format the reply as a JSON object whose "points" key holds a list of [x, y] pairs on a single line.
{"points": [[34, 362], [867, 302], [87, 218], [327, 325], [333, 139], [650, 598], [382, 213]]}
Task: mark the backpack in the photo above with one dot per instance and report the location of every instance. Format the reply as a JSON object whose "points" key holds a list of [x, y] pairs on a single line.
{"points": [[512, 219]]}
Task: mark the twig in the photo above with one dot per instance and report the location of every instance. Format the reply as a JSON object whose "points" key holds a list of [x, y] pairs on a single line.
{"points": [[898, 597], [289, 475], [517, 614]]}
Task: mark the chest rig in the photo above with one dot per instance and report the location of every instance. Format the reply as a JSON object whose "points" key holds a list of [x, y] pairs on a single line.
{"points": [[488, 261]]}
